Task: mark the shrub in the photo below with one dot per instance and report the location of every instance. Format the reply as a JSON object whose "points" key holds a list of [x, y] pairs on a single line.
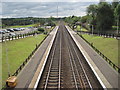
{"points": [[41, 29]]}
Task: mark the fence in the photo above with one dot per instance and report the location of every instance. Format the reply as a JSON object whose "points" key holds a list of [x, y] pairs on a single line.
{"points": [[102, 34], [102, 55], [10, 38], [27, 59]]}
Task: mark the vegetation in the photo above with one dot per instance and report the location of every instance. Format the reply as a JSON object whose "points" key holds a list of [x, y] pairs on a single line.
{"points": [[103, 16], [17, 52], [41, 29], [72, 21], [21, 26], [108, 46], [6, 22], [100, 18], [79, 28]]}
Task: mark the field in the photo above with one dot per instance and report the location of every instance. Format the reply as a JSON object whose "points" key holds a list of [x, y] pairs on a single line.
{"points": [[82, 29], [17, 52], [22, 26], [108, 46]]}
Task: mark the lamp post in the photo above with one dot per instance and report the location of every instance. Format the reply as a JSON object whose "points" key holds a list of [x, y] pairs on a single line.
{"points": [[92, 29], [81, 24], [118, 25]]}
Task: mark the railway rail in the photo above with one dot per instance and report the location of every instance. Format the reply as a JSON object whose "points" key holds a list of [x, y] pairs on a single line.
{"points": [[66, 66]]}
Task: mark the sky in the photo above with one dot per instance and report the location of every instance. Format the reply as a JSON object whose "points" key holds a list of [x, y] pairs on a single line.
{"points": [[44, 8]]}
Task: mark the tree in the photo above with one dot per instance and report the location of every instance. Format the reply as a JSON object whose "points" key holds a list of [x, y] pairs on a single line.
{"points": [[74, 20], [41, 29], [117, 16], [115, 3], [105, 17], [84, 19], [92, 12]]}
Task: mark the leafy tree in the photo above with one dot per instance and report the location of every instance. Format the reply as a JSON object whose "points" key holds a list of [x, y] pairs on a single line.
{"points": [[105, 17], [117, 15], [51, 24], [41, 29], [117, 12], [84, 19], [114, 4], [92, 12]]}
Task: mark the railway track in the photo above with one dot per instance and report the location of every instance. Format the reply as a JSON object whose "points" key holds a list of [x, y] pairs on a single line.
{"points": [[65, 67]]}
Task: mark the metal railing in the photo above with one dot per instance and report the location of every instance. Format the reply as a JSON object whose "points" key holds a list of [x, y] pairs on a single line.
{"points": [[10, 38], [101, 34]]}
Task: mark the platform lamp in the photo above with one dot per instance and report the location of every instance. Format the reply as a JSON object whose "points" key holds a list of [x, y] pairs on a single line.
{"points": [[92, 24], [117, 24]]}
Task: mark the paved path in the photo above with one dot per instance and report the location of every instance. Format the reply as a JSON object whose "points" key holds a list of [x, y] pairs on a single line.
{"points": [[26, 75], [108, 76]]}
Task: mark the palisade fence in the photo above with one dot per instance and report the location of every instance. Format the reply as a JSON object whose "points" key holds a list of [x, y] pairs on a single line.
{"points": [[10, 38], [102, 55]]}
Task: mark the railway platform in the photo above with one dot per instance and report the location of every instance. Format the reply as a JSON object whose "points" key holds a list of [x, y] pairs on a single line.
{"points": [[30, 75], [26, 75], [106, 75]]}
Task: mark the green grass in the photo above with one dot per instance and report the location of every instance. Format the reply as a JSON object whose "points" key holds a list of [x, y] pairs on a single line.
{"points": [[83, 29], [22, 26], [18, 50], [108, 46]]}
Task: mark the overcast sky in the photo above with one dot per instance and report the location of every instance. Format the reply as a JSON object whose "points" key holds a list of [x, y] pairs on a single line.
{"points": [[44, 8]]}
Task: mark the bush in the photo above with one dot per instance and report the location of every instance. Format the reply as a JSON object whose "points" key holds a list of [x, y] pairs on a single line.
{"points": [[41, 29]]}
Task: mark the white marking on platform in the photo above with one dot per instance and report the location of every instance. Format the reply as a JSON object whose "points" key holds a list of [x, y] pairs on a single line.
{"points": [[94, 68]]}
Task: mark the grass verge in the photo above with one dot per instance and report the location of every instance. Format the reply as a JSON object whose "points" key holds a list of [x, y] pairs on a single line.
{"points": [[108, 46], [17, 52], [82, 29]]}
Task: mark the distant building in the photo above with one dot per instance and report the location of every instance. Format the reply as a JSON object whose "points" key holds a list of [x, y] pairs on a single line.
{"points": [[48, 27]]}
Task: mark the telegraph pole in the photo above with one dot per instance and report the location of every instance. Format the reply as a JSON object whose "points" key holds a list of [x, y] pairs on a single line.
{"points": [[8, 67], [57, 9]]}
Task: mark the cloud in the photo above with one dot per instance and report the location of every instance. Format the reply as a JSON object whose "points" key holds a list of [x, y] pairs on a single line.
{"points": [[43, 9], [51, 0]]}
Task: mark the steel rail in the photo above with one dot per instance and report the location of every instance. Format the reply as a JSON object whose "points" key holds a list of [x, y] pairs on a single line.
{"points": [[81, 65], [70, 58], [46, 83], [82, 86], [60, 61]]}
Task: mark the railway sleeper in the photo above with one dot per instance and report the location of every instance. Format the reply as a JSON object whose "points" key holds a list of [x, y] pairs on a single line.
{"points": [[54, 75], [52, 85], [52, 81]]}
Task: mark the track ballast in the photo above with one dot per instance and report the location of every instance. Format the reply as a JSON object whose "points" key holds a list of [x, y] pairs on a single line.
{"points": [[66, 67]]}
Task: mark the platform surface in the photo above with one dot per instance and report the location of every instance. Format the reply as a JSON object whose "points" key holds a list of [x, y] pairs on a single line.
{"points": [[108, 76], [26, 75]]}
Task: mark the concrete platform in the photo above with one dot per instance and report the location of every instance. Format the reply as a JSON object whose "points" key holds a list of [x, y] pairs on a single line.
{"points": [[26, 75], [106, 75]]}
